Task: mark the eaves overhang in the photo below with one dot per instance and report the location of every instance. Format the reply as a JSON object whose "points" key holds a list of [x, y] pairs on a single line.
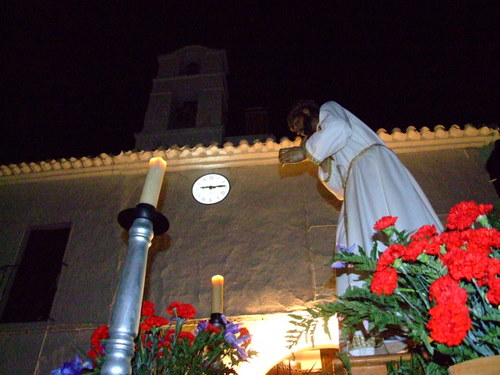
{"points": [[230, 155]]}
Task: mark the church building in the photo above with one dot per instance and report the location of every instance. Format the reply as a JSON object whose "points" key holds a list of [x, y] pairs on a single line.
{"points": [[270, 235]]}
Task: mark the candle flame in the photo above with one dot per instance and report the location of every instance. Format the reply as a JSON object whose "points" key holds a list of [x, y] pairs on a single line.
{"points": [[157, 160], [217, 279]]}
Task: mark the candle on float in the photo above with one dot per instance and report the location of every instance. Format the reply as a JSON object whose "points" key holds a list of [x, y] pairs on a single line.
{"points": [[153, 182], [217, 294]]}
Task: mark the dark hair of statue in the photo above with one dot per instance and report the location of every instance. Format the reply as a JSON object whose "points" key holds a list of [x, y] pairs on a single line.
{"points": [[298, 111]]}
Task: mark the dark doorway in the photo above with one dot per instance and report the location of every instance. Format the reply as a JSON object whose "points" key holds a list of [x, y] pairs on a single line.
{"points": [[35, 282]]}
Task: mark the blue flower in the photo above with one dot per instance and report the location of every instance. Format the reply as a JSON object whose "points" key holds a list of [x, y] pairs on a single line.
{"points": [[338, 265], [201, 326], [341, 247], [344, 248], [224, 319], [73, 368], [230, 335]]}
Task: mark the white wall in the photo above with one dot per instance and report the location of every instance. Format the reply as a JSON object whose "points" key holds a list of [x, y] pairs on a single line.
{"points": [[271, 239]]}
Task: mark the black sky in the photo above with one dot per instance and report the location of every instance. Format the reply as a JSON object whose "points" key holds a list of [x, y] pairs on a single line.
{"points": [[76, 75]]}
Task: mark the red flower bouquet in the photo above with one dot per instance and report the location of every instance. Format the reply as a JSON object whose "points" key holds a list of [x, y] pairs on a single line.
{"points": [[439, 290], [165, 346]]}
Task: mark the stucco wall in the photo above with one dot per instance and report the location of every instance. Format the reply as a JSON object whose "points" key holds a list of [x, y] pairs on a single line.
{"points": [[451, 176], [258, 238], [271, 239]]}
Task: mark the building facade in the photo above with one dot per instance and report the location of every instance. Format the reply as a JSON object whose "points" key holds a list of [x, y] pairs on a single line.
{"points": [[271, 237]]}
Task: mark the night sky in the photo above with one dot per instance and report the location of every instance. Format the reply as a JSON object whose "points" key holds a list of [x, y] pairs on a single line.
{"points": [[76, 75]]}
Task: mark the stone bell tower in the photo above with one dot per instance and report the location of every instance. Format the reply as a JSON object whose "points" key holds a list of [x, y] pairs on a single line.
{"points": [[188, 102]]}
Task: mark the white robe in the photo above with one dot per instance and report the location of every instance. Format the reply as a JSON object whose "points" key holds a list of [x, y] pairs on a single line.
{"points": [[371, 181]]}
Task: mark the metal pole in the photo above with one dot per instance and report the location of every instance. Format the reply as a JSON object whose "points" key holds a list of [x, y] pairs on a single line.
{"points": [[124, 326]]}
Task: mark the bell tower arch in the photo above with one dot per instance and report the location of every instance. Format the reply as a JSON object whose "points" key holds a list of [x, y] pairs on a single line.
{"points": [[188, 101]]}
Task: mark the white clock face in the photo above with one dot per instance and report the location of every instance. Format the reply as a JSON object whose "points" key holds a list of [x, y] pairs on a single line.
{"points": [[211, 188]]}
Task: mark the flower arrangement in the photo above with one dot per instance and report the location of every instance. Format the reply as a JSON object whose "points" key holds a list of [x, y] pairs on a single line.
{"points": [[441, 291], [164, 347]]}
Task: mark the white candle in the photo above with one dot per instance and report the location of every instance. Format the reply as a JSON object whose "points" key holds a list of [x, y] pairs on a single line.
{"points": [[154, 180], [217, 294]]}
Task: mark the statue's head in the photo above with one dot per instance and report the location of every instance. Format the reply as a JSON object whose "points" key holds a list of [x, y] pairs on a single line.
{"points": [[303, 118]]}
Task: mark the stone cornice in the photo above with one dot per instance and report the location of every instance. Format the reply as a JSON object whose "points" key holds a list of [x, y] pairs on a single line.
{"points": [[244, 154]]}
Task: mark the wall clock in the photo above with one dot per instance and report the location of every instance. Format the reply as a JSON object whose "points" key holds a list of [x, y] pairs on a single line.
{"points": [[211, 188]]}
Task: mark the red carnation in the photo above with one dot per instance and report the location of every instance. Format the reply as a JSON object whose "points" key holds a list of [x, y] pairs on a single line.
{"points": [[181, 310], [449, 323], [148, 308], [485, 208], [93, 354], [212, 329], [478, 248], [464, 214], [446, 290], [169, 336], [483, 239], [424, 232], [463, 264], [384, 281], [493, 268], [493, 272], [451, 240], [389, 256], [244, 333], [186, 336], [153, 321], [99, 334], [433, 248], [493, 294], [413, 250], [385, 222]]}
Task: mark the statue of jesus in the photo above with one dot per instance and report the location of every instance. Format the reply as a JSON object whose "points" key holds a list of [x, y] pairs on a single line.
{"points": [[356, 166]]}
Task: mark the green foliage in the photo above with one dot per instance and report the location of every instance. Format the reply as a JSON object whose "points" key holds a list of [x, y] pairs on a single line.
{"points": [[417, 365], [494, 216], [166, 347], [405, 312], [209, 354]]}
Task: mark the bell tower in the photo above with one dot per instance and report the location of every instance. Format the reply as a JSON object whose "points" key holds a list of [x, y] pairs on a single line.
{"points": [[188, 102]]}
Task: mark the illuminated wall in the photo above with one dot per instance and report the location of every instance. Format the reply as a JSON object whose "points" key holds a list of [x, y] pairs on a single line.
{"points": [[271, 237]]}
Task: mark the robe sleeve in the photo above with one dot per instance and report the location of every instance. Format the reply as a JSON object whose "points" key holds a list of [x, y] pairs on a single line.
{"points": [[333, 133]]}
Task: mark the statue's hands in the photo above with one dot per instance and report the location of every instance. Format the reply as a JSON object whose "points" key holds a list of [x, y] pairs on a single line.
{"points": [[292, 155]]}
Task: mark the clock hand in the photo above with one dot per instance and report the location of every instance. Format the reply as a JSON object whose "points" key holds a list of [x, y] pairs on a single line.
{"points": [[212, 186]]}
